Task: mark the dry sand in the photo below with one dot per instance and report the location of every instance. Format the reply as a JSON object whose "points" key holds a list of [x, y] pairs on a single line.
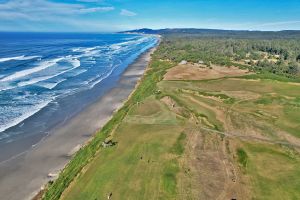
{"points": [[23, 176]]}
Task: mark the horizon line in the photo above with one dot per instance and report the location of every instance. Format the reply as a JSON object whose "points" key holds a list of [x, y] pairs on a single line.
{"points": [[120, 31]]}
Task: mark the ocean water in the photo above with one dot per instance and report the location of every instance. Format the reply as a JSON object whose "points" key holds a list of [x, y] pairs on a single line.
{"points": [[40, 69]]}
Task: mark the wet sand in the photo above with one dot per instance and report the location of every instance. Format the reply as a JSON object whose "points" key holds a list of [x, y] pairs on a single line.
{"points": [[23, 176]]}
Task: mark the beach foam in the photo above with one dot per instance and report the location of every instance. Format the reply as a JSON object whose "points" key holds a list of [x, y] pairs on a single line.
{"points": [[26, 72], [74, 62], [23, 57], [51, 85], [29, 111]]}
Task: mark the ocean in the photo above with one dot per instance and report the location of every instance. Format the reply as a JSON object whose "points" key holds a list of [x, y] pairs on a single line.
{"points": [[46, 78]]}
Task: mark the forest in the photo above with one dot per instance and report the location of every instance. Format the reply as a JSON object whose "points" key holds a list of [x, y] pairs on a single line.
{"points": [[273, 52], [279, 56]]}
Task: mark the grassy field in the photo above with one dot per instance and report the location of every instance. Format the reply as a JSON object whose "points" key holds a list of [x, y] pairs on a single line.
{"points": [[142, 165], [272, 170], [224, 138]]}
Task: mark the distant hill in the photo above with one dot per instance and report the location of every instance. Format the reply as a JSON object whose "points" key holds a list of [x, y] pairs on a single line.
{"points": [[219, 33]]}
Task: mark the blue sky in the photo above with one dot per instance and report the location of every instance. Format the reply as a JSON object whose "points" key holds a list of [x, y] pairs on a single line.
{"points": [[116, 15]]}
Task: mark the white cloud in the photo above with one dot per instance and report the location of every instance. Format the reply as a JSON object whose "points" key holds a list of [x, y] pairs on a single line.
{"points": [[38, 10], [279, 23], [10, 15], [128, 13], [96, 9]]}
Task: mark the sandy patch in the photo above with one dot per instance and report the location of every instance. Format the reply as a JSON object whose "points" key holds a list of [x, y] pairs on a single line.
{"points": [[198, 72], [292, 83]]}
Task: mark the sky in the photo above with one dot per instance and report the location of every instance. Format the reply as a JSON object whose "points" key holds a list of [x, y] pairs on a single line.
{"points": [[118, 15]]}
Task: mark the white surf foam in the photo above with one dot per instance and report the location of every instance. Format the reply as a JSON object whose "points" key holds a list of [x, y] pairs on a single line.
{"points": [[132, 43], [88, 51], [50, 86], [74, 62], [26, 72], [33, 81], [23, 57], [31, 111], [84, 49]]}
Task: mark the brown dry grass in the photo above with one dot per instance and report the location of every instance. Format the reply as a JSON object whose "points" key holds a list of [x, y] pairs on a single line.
{"points": [[212, 172], [199, 72]]}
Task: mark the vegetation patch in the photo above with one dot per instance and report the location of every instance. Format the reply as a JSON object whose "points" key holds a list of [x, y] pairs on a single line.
{"points": [[274, 172], [169, 181], [242, 157], [178, 147], [217, 95], [271, 76], [264, 100]]}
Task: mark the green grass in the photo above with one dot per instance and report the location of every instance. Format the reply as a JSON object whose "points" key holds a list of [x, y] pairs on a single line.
{"points": [[274, 171], [242, 157], [271, 76], [145, 153], [178, 147], [131, 170], [291, 120], [221, 96], [264, 100], [169, 181]]}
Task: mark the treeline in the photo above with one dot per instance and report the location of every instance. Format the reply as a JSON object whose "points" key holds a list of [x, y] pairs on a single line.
{"points": [[219, 33], [278, 56]]}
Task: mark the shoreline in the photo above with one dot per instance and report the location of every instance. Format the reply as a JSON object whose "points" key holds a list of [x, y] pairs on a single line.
{"points": [[27, 173]]}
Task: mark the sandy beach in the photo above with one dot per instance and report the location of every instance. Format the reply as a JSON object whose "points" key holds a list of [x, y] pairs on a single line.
{"points": [[24, 175]]}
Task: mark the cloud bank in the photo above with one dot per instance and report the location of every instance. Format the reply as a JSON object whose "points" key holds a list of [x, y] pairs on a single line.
{"points": [[37, 10]]}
